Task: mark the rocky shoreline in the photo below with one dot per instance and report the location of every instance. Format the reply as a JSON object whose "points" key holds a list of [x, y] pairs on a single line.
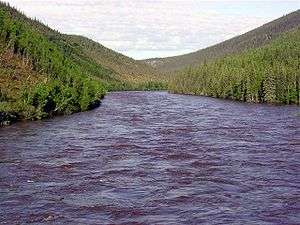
{"points": [[7, 118]]}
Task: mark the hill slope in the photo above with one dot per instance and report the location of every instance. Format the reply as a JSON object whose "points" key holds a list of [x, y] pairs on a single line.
{"points": [[120, 65], [267, 74], [128, 68], [45, 73], [253, 39]]}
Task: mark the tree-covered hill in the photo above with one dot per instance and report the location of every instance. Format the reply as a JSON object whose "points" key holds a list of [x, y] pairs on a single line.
{"points": [[269, 74], [120, 65], [253, 39], [45, 73]]}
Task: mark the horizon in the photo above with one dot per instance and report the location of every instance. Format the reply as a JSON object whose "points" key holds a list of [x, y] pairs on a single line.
{"points": [[140, 32]]}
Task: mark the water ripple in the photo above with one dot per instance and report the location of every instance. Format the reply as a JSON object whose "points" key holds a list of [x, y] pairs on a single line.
{"points": [[154, 158]]}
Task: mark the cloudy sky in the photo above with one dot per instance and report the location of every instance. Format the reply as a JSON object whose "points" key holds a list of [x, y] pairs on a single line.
{"points": [[155, 28]]}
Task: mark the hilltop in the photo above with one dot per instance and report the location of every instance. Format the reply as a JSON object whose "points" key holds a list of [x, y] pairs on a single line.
{"points": [[252, 39]]}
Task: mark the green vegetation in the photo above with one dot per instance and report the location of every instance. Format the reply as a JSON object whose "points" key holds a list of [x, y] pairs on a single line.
{"points": [[268, 74], [138, 75], [67, 89], [44, 73], [253, 39]]}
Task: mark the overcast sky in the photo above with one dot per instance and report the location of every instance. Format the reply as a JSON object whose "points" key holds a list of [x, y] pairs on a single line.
{"points": [[155, 28]]}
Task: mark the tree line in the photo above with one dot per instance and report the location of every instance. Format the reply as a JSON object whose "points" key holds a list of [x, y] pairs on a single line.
{"points": [[269, 74]]}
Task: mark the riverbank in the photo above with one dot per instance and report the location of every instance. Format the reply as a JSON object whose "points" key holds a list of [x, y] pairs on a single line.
{"points": [[17, 112], [7, 118], [45, 73]]}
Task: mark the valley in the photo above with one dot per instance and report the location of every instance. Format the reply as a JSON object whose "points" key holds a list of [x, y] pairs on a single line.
{"points": [[46, 73]]}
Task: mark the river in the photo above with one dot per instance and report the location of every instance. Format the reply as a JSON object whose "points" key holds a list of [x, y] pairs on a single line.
{"points": [[154, 158]]}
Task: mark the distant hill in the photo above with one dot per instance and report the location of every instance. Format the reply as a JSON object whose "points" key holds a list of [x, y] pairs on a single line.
{"points": [[127, 68], [45, 73], [253, 39]]}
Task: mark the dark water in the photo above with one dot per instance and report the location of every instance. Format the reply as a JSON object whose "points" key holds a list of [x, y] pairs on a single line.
{"points": [[154, 158]]}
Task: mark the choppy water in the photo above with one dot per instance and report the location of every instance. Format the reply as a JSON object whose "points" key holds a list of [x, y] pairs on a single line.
{"points": [[154, 158]]}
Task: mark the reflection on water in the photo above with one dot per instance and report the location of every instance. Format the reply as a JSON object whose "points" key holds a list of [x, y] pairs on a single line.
{"points": [[154, 158]]}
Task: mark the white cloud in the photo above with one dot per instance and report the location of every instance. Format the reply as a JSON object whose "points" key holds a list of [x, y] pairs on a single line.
{"points": [[147, 28]]}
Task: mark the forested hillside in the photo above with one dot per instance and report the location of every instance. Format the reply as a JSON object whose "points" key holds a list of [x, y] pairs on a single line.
{"points": [[253, 39], [45, 73], [268, 74]]}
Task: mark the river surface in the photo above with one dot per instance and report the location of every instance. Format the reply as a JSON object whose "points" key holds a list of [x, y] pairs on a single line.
{"points": [[154, 158]]}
